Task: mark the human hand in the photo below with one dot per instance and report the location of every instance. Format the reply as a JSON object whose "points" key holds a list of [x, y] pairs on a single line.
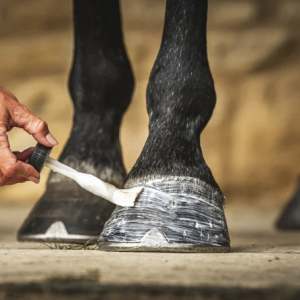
{"points": [[13, 166]]}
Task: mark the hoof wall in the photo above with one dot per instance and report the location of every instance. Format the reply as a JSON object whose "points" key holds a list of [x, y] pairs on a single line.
{"points": [[171, 215], [290, 217], [66, 214]]}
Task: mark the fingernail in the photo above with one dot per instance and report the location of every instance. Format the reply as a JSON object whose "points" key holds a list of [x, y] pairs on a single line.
{"points": [[34, 179], [50, 138]]}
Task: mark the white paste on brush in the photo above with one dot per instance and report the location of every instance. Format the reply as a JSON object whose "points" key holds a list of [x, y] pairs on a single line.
{"points": [[125, 198]]}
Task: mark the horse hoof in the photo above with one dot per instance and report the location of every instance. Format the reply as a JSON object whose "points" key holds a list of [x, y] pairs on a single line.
{"points": [[174, 214], [290, 217], [66, 213]]}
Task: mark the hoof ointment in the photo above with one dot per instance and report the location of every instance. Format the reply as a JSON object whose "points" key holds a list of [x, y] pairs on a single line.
{"points": [[177, 214]]}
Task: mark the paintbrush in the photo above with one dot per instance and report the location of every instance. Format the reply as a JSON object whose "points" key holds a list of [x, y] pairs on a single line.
{"points": [[122, 197]]}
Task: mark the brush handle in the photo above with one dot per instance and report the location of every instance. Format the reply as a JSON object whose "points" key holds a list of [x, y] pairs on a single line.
{"points": [[38, 157], [95, 185], [87, 181], [60, 168]]}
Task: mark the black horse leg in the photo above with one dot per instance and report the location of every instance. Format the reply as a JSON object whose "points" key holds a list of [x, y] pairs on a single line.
{"points": [[180, 208], [101, 84]]}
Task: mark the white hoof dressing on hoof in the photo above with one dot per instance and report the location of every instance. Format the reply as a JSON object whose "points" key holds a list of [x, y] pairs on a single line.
{"points": [[177, 214]]}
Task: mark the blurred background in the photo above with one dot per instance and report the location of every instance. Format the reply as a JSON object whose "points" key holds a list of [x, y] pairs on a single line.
{"points": [[252, 143]]}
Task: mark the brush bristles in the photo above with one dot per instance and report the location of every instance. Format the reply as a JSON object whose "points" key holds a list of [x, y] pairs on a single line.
{"points": [[126, 198]]}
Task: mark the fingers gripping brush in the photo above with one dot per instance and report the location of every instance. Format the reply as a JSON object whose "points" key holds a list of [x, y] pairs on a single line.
{"points": [[122, 197]]}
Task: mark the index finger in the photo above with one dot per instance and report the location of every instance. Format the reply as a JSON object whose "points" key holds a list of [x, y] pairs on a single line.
{"points": [[34, 125], [10, 165]]}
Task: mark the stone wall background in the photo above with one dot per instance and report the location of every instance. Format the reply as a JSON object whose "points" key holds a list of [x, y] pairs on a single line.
{"points": [[252, 143]]}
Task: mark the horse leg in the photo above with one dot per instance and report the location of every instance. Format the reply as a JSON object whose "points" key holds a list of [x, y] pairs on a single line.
{"points": [[101, 85], [181, 206]]}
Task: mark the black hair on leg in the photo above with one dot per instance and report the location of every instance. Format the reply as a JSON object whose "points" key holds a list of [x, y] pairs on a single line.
{"points": [[101, 84], [180, 98]]}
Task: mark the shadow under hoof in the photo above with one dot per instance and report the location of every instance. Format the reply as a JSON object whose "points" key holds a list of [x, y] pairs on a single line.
{"points": [[174, 214], [290, 217], [66, 213]]}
